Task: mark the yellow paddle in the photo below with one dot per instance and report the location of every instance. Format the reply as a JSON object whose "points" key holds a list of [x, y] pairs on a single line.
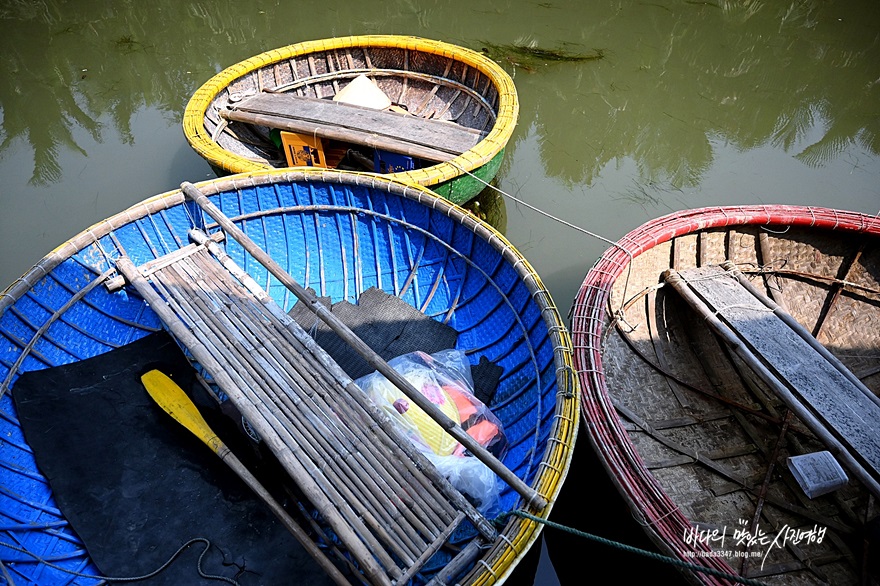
{"points": [[171, 398]]}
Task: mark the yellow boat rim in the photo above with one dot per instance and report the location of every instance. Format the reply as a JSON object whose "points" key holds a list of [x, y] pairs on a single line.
{"points": [[505, 108]]}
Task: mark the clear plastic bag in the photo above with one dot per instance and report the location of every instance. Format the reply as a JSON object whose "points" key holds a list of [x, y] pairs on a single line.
{"points": [[444, 378]]}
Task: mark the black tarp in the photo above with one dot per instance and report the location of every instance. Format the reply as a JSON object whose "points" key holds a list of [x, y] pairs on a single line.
{"points": [[135, 485]]}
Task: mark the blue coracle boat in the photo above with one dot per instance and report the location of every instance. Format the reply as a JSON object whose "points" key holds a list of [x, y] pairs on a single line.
{"points": [[339, 234]]}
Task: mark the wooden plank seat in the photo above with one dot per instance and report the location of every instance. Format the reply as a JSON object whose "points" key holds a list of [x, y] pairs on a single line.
{"points": [[432, 140], [812, 382], [383, 499]]}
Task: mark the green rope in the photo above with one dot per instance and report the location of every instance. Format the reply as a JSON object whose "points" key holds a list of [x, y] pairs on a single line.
{"points": [[650, 554]]}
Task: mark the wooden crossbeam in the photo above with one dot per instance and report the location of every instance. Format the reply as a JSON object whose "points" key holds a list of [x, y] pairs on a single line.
{"points": [[432, 140], [813, 383]]}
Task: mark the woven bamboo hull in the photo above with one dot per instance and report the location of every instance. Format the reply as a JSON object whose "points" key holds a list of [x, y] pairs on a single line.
{"points": [[650, 430], [431, 78], [339, 234]]}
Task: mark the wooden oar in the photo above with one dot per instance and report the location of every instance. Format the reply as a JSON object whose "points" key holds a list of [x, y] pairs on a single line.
{"points": [[171, 398]]}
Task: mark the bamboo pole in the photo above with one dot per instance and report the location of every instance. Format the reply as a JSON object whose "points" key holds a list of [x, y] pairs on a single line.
{"points": [[532, 497], [835, 446], [800, 330], [458, 564], [306, 483], [430, 550]]}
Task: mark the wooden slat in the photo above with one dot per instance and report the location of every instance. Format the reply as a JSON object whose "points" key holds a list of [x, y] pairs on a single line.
{"points": [[785, 356], [433, 140]]}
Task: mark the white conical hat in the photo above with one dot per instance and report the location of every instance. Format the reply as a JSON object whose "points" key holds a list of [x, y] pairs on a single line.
{"points": [[363, 91]]}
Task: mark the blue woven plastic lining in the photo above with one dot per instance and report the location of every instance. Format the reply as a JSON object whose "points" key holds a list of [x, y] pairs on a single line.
{"points": [[338, 240]]}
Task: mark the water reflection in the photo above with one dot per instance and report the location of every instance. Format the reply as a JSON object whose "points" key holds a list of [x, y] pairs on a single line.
{"points": [[66, 64], [801, 76], [695, 102]]}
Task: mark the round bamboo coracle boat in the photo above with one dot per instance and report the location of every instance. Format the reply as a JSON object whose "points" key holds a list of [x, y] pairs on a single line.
{"points": [[343, 235], [711, 409], [425, 79]]}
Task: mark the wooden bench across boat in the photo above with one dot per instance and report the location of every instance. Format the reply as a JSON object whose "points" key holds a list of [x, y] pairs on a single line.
{"points": [[432, 140], [814, 384]]}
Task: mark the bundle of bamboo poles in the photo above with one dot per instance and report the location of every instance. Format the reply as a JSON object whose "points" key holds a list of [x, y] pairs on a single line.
{"points": [[390, 509], [533, 497]]}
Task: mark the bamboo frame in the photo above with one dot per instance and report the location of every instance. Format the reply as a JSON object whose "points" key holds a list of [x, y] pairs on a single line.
{"points": [[284, 354], [268, 384], [266, 370], [256, 415], [320, 363]]}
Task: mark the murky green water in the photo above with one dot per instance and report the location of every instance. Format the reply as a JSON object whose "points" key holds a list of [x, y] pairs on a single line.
{"points": [[693, 103]]}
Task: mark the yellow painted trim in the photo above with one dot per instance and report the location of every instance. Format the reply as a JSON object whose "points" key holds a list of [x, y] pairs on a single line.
{"points": [[483, 152]]}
